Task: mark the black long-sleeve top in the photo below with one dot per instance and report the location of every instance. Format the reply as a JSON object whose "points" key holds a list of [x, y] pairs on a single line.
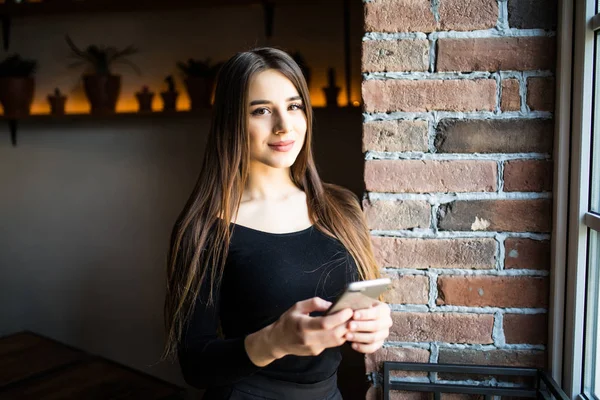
{"points": [[265, 274]]}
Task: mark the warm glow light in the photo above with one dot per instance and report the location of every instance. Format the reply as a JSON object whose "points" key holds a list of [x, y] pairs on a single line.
{"points": [[123, 106]]}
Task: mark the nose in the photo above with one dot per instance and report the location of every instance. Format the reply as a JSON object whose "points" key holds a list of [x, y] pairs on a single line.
{"points": [[283, 123]]}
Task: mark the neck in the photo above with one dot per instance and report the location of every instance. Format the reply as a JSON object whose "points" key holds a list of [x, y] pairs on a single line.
{"points": [[267, 183]]}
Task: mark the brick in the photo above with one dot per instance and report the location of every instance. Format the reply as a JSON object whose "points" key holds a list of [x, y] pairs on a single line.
{"points": [[540, 93], [400, 55], [428, 95], [495, 136], [532, 14], [461, 396], [391, 215], [525, 328], [528, 176], [399, 135], [442, 327], [417, 15], [509, 358], [497, 215], [404, 395], [526, 254], [496, 54], [407, 289], [435, 253], [374, 361], [425, 176], [399, 16], [493, 291], [460, 15], [511, 98]]}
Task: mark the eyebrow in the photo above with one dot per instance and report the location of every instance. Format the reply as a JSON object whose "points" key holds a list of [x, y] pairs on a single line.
{"points": [[257, 102]]}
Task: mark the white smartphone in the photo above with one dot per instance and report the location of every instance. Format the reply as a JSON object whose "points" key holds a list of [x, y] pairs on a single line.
{"points": [[359, 295]]}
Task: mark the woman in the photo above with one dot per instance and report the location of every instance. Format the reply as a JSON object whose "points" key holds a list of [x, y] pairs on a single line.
{"points": [[263, 246]]}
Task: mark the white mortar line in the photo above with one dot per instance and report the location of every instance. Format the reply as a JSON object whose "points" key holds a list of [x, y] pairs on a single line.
{"points": [[434, 353], [498, 330], [487, 33], [380, 155], [523, 94], [501, 238], [502, 24], [394, 36], [428, 234], [431, 134], [462, 346], [416, 308], [442, 198], [439, 115], [432, 54], [421, 76], [405, 308], [410, 345], [498, 79], [411, 379], [468, 272], [493, 382], [433, 289], [500, 177], [523, 347]]}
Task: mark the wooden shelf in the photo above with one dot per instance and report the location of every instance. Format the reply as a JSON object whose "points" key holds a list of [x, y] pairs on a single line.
{"points": [[13, 123]]}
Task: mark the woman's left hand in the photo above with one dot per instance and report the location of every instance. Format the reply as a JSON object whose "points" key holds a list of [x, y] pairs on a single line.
{"points": [[369, 327]]}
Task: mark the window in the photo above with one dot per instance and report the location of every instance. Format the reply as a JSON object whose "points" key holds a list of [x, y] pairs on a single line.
{"points": [[591, 359], [575, 338]]}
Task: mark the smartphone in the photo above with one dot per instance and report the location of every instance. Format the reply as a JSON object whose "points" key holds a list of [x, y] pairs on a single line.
{"points": [[359, 295]]}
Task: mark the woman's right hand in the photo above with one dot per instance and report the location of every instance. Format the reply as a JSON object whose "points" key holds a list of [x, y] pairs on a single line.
{"points": [[297, 333]]}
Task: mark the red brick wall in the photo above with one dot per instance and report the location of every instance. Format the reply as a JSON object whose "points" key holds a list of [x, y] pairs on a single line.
{"points": [[458, 101]]}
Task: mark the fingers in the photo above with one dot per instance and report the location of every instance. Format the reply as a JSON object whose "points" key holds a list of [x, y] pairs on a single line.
{"points": [[312, 304], [329, 321], [367, 337], [377, 311], [367, 348]]}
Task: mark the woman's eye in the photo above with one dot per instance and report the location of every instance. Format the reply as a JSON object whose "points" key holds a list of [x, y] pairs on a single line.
{"points": [[260, 111], [296, 107]]}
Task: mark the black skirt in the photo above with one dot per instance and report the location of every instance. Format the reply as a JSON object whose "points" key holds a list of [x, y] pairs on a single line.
{"points": [[260, 387]]}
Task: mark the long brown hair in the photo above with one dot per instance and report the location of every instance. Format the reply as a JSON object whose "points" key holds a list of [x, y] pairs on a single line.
{"points": [[201, 233]]}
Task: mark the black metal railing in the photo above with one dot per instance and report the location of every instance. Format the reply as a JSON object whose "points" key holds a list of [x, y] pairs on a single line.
{"points": [[541, 385]]}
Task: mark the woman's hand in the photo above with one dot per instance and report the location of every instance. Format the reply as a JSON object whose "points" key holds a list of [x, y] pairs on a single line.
{"points": [[297, 333], [369, 327]]}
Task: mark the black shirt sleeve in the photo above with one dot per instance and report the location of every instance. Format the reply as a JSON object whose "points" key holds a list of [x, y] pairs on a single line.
{"points": [[205, 359]]}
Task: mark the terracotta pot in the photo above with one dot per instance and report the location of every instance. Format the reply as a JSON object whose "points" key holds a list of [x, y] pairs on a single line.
{"points": [[16, 95], [169, 100], [102, 92], [57, 104], [200, 90], [144, 101]]}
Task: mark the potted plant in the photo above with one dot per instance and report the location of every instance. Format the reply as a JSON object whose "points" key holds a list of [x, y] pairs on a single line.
{"points": [[17, 85], [101, 86], [57, 102], [199, 78], [144, 98], [169, 97]]}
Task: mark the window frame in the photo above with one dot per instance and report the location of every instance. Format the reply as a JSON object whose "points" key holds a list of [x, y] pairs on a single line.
{"points": [[572, 219]]}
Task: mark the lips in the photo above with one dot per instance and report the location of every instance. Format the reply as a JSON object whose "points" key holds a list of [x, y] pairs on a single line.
{"points": [[285, 145]]}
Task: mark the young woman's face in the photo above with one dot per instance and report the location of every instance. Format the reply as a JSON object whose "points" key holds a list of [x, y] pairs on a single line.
{"points": [[276, 120]]}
